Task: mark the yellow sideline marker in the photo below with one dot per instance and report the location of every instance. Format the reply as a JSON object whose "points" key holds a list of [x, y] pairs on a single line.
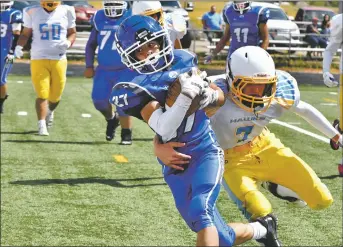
{"points": [[330, 100], [120, 158]]}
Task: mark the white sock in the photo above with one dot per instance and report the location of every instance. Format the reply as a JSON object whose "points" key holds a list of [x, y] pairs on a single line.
{"points": [[41, 122], [284, 191], [259, 230]]}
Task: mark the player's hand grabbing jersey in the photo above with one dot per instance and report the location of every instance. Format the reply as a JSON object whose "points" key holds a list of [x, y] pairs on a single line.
{"points": [[49, 30]]}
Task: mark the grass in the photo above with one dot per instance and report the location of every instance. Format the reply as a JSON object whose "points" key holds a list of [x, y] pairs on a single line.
{"points": [[67, 190]]}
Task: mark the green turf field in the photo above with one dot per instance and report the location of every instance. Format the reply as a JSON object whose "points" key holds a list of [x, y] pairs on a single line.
{"points": [[67, 190]]}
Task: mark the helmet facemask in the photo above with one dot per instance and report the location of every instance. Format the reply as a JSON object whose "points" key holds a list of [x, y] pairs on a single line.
{"points": [[50, 5], [241, 6], [156, 61], [114, 9], [253, 103], [4, 5]]}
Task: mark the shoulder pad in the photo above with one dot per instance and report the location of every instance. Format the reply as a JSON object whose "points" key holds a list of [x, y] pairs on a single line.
{"points": [[287, 91]]}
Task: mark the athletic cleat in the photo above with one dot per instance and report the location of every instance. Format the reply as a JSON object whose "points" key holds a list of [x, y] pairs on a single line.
{"points": [[112, 124], [270, 223], [2, 104], [42, 130], [49, 119], [340, 170], [126, 137]]}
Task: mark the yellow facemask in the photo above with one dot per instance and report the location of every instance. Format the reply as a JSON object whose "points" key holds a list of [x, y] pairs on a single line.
{"points": [[158, 11], [50, 5], [253, 103]]}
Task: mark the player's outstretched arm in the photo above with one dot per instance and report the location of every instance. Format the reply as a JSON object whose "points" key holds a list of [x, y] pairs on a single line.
{"points": [[91, 46], [317, 120], [220, 45], [23, 38]]}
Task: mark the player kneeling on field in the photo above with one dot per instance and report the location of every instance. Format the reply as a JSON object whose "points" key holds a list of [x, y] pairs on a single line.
{"points": [[256, 95]]}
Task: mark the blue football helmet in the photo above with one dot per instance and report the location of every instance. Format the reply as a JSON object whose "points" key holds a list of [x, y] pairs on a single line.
{"points": [[136, 31]]}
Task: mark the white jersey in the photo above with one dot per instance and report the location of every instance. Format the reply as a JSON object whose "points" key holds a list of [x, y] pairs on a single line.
{"points": [[234, 126], [48, 30], [176, 26], [335, 42]]}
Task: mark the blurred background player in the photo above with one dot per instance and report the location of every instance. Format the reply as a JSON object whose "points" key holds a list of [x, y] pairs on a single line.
{"points": [[53, 31], [245, 25], [105, 23], [10, 27], [335, 42], [173, 22], [145, 46]]}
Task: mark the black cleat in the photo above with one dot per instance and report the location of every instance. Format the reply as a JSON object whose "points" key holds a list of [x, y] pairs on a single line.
{"points": [[270, 223], [126, 137], [112, 124], [2, 104]]}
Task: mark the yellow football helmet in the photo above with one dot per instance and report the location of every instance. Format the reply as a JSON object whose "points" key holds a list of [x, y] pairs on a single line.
{"points": [[252, 79], [49, 5], [148, 8]]}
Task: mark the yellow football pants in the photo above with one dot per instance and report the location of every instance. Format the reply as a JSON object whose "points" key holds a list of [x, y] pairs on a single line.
{"points": [[49, 78], [267, 159]]}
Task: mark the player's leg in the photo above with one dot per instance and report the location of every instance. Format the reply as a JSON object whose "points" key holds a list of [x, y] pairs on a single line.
{"points": [[290, 171], [239, 182], [102, 87], [4, 70], [58, 81], [40, 76], [126, 128]]}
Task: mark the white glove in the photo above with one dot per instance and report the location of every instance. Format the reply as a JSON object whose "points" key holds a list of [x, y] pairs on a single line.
{"points": [[63, 45], [329, 80], [192, 85], [208, 59], [209, 96], [18, 51], [9, 58]]}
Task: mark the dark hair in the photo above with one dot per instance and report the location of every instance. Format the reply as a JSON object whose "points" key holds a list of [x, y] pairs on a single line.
{"points": [[325, 22]]}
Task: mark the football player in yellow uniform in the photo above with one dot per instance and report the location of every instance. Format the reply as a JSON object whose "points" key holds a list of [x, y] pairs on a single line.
{"points": [[335, 42], [259, 93], [53, 31]]}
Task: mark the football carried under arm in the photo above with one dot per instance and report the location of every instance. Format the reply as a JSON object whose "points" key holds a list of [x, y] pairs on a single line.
{"points": [[166, 123]]}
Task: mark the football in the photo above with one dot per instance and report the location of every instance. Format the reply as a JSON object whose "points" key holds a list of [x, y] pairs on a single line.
{"points": [[173, 92]]}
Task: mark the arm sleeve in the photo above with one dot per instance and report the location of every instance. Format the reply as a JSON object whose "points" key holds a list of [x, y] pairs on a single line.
{"points": [[91, 46], [264, 16], [71, 17], [165, 124], [315, 118], [27, 19]]}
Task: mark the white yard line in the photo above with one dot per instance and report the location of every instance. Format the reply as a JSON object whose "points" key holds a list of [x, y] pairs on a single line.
{"points": [[319, 137], [86, 115], [22, 113], [328, 104]]}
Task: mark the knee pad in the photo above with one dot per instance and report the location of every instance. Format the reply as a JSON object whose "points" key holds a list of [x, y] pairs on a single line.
{"points": [[324, 198], [101, 105], [257, 204]]}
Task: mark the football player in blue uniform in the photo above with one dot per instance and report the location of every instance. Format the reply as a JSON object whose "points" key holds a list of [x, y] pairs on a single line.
{"points": [[145, 46], [246, 25], [110, 68], [10, 26]]}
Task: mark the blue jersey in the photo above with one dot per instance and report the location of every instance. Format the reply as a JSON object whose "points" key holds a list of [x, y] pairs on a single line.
{"points": [[244, 28], [132, 96], [8, 17], [108, 57]]}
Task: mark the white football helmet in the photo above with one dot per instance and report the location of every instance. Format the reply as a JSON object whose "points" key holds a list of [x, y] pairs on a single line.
{"points": [[114, 9], [148, 8], [4, 5], [252, 65], [241, 6]]}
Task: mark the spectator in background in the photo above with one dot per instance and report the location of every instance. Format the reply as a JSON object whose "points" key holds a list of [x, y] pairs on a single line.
{"points": [[212, 22], [326, 23], [313, 39]]}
